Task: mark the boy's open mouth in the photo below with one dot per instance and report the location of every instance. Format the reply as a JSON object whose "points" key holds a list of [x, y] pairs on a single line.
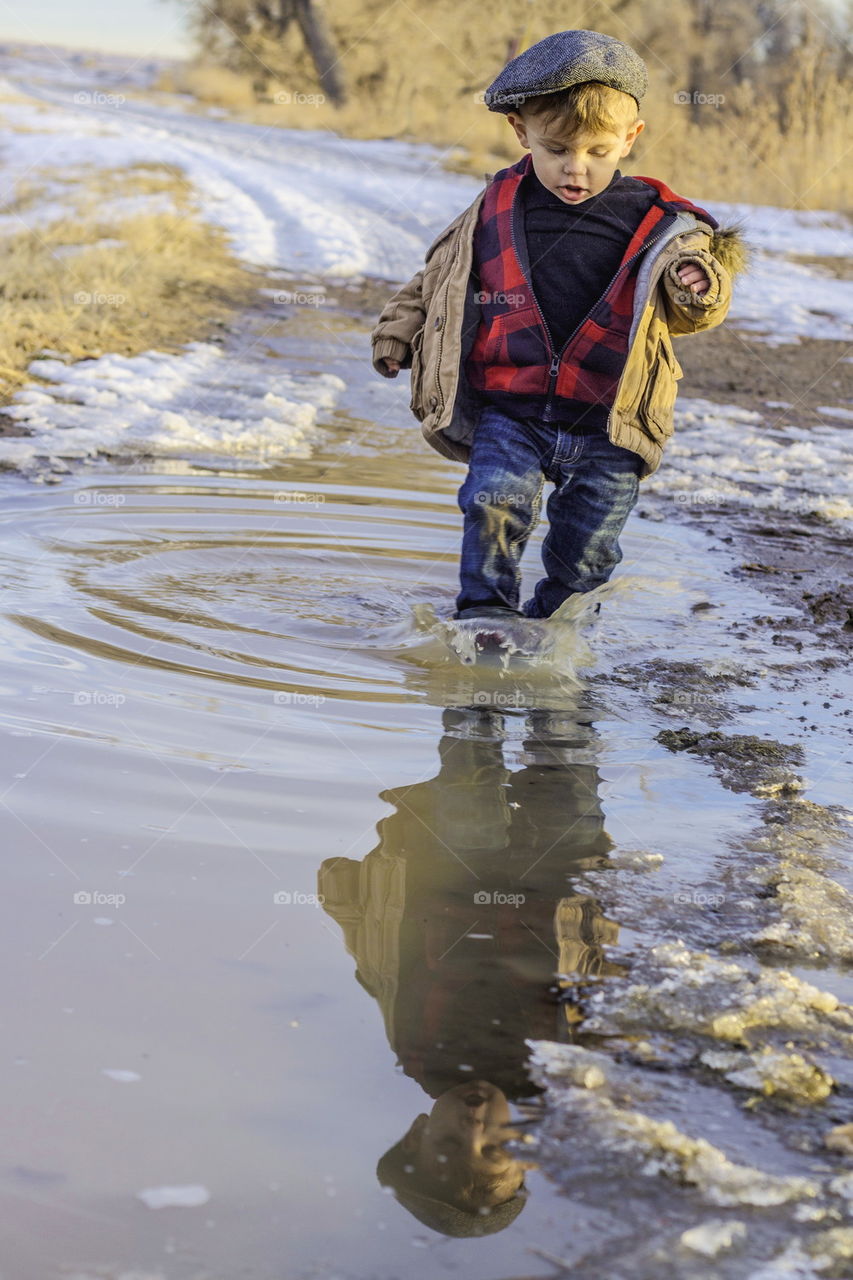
{"points": [[572, 191]]}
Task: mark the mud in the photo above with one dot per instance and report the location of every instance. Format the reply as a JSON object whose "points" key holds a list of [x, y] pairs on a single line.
{"points": [[733, 366], [743, 761]]}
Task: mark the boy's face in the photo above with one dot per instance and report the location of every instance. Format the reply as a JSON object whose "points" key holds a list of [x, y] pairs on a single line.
{"points": [[464, 1134], [573, 168]]}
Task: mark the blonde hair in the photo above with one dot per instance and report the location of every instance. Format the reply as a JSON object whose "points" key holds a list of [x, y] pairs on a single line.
{"points": [[590, 107]]}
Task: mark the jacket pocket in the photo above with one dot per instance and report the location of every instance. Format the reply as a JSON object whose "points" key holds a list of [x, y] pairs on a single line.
{"points": [[508, 341], [657, 401], [417, 375]]}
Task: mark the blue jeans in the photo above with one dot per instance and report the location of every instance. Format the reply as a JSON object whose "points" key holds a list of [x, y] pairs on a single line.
{"points": [[596, 486]]}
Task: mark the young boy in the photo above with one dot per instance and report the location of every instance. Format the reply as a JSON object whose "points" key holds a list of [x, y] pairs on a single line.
{"points": [[538, 331]]}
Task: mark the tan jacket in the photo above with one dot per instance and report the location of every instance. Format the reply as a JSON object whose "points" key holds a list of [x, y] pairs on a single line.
{"points": [[430, 323]]}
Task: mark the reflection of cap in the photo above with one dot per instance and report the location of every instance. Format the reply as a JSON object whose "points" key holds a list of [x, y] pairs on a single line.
{"points": [[440, 1215], [451, 1221], [564, 59]]}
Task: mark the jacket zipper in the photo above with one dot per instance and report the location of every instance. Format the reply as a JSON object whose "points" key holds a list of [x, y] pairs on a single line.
{"points": [[556, 358]]}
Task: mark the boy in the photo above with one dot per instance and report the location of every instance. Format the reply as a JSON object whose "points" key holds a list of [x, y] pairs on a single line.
{"points": [[538, 331]]}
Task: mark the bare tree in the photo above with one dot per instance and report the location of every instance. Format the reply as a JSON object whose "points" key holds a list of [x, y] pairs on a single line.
{"points": [[320, 42], [243, 35]]}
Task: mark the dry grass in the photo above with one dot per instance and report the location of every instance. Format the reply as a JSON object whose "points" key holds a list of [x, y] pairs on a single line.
{"points": [[93, 281], [416, 73], [215, 85]]}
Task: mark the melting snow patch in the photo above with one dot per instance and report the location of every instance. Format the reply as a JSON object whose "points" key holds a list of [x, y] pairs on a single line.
{"points": [[201, 403], [710, 1237], [652, 1147], [722, 453], [186, 1197]]}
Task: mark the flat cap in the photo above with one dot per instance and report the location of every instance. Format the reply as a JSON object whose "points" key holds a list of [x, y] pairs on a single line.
{"points": [[564, 59]]}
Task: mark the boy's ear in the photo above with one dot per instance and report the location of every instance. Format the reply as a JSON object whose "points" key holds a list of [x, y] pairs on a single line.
{"points": [[519, 126], [412, 1139], [633, 135]]}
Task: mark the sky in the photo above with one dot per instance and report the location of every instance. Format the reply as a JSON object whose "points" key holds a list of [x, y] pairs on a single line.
{"points": [[140, 27]]}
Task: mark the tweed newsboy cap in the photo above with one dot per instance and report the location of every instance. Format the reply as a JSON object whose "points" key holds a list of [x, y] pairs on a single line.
{"points": [[564, 59]]}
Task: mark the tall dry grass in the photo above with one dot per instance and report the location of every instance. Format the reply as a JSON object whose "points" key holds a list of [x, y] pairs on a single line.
{"points": [[773, 134]]}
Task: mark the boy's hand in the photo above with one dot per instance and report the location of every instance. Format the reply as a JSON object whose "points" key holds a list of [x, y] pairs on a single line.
{"points": [[392, 366], [694, 277]]}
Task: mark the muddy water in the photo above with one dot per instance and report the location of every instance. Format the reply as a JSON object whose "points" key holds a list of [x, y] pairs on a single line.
{"points": [[282, 876]]}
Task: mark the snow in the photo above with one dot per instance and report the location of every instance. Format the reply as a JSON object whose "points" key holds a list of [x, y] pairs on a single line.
{"points": [[709, 1238], [184, 1197], [723, 453], [196, 405]]}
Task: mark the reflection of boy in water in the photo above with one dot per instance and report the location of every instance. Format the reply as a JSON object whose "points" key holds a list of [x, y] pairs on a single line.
{"points": [[462, 981]]}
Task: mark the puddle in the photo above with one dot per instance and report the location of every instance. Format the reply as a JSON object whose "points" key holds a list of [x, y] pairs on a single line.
{"points": [[305, 915]]}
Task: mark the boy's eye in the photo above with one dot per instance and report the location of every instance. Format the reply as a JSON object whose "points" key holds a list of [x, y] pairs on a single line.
{"points": [[559, 151]]}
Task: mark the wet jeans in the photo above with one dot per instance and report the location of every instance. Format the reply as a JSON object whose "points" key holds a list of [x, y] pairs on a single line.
{"points": [[596, 486]]}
